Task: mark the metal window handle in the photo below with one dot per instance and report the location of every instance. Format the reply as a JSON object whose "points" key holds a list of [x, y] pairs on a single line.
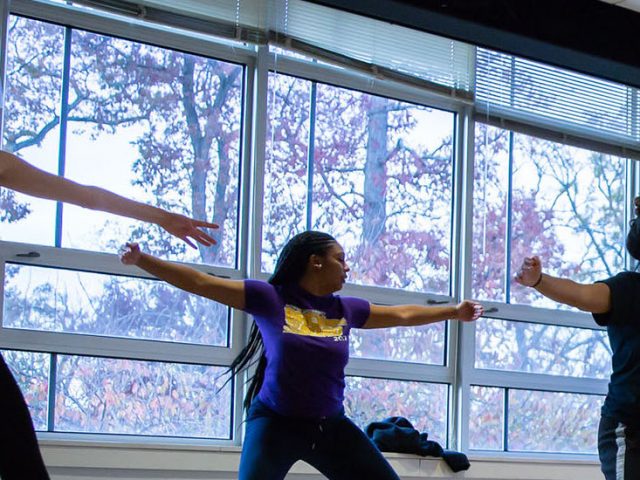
{"points": [[28, 255], [437, 302]]}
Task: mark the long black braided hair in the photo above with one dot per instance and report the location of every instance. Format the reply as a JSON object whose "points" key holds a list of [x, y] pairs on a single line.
{"points": [[290, 268]]}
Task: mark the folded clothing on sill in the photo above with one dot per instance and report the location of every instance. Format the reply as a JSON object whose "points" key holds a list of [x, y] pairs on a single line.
{"points": [[397, 434]]}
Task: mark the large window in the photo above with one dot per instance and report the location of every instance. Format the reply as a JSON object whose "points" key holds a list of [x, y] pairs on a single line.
{"points": [[373, 171], [151, 123], [435, 194], [534, 196], [377, 173], [154, 124], [566, 205]]}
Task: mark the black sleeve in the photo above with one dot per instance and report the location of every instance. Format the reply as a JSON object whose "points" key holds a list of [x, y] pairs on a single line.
{"points": [[624, 288]]}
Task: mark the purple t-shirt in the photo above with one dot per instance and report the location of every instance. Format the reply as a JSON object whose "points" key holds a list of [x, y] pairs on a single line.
{"points": [[306, 340]]}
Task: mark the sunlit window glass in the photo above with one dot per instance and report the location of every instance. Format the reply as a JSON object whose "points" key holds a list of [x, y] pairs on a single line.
{"points": [[423, 404], [362, 168], [160, 126], [564, 204], [540, 348], [31, 372], [141, 398], [31, 115], [486, 418], [538, 421], [56, 300]]}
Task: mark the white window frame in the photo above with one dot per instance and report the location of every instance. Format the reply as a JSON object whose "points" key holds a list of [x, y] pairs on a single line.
{"points": [[458, 371]]}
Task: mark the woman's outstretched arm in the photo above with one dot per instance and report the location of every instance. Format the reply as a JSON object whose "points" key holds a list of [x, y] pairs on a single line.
{"points": [[383, 316], [222, 290], [593, 297], [23, 177]]}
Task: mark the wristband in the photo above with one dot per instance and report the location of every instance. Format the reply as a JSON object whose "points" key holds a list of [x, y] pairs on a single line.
{"points": [[538, 282]]}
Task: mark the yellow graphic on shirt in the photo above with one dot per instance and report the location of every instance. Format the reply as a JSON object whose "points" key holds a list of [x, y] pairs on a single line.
{"points": [[311, 323]]}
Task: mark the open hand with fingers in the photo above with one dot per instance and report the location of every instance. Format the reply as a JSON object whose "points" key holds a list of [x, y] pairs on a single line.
{"points": [[187, 228]]}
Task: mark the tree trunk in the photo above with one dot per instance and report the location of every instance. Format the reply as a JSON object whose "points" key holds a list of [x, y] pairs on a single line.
{"points": [[375, 172]]}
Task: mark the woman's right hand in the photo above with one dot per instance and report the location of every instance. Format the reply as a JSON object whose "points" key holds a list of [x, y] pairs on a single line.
{"points": [[530, 272], [130, 254]]}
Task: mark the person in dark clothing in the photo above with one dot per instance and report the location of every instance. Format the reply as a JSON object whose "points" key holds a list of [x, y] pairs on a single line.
{"points": [[20, 457], [615, 303], [301, 335]]}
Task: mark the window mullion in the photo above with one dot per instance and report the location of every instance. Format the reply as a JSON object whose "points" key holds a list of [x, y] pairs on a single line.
{"points": [[103, 346], [462, 342], [64, 115], [310, 153], [4, 34], [53, 375], [393, 370], [539, 381], [508, 233]]}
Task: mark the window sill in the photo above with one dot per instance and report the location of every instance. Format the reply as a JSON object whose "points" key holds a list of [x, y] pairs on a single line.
{"points": [[74, 458]]}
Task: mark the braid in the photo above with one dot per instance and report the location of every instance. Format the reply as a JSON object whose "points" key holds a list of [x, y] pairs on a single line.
{"points": [[256, 381], [254, 347]]}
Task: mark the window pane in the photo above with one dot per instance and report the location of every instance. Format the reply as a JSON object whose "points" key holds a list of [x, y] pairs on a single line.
{"points": [[31, 123], [420, 345], [490, 187], [569, 209], [538, 421], [31, 371], [141, 398], [159, 126], [423, 404], [486, 418], [538, 348], [553, 422], [567, 206], [380, 185], [285, 176], [94, 304]]}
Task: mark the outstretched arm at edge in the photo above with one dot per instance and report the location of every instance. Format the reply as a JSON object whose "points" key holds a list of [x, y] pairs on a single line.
{"points": [[592, 297], [383, 316], [222, 290], [23, 177]]}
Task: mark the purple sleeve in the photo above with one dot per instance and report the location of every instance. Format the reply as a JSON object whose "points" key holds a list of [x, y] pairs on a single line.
{"points": [[356, 311], [261, 299]]}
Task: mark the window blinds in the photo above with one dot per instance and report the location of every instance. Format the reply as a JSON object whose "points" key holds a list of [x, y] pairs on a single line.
{"points": [[384, 46], [380, 48], [514, 89]]}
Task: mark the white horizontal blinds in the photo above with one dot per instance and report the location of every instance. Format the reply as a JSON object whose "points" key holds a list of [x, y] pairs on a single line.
{"points": [[239, 13], [517, 89], [242, 20], [381, 45], [379, 48]]}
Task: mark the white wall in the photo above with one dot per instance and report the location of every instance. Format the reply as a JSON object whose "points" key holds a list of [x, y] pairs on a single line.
{"points": [[84, 460]]}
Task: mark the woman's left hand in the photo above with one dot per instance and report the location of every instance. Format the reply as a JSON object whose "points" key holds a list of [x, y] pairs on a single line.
{"points": [[130, 253]]}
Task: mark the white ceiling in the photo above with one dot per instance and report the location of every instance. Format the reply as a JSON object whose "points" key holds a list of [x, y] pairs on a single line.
{"points": [[630, 4]]}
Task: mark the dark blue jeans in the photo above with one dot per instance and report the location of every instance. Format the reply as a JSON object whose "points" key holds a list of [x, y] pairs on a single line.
{"points": [[20, 457], [619, 449], [335, 446]]}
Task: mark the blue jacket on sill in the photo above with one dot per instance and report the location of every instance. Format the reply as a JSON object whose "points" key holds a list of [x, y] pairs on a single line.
{"points": [[397, 434]]}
